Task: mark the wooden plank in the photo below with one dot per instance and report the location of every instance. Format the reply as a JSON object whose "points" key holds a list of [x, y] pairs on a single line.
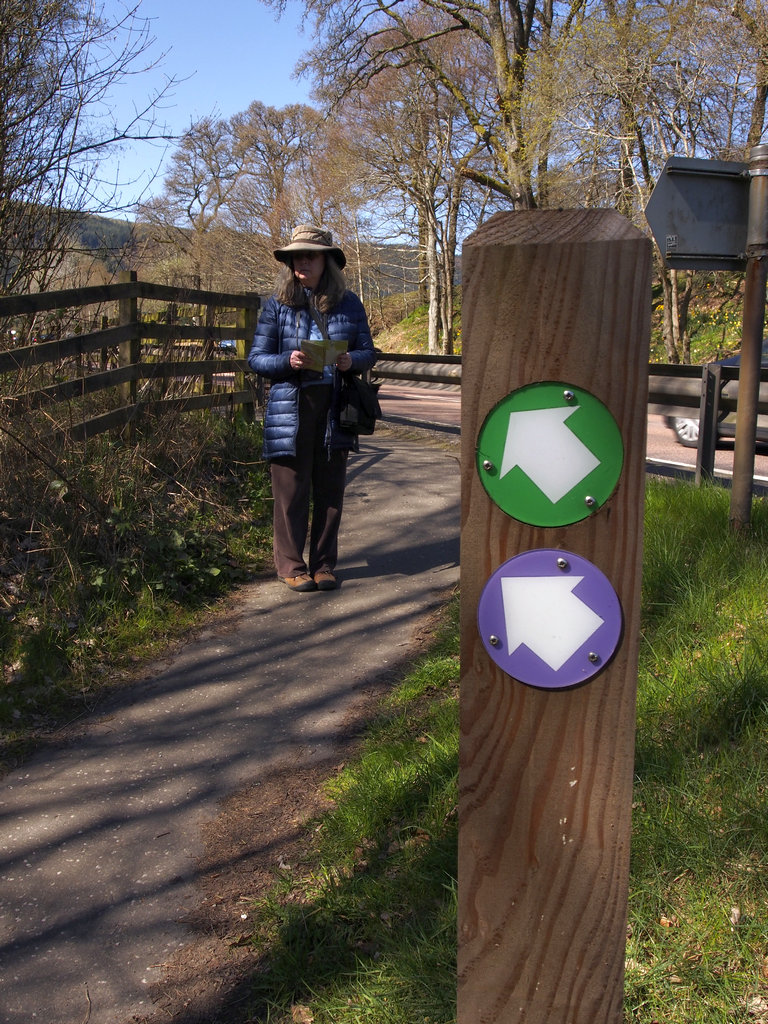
{"points": [[101, 424], [94, 382], [193, 403], [130, 413], [182, 332], [38, 302], [198, 296], [129, 351], [73, 389], [247, 321], [190, 367], [65, 348], [80, 344], [546, 775]]}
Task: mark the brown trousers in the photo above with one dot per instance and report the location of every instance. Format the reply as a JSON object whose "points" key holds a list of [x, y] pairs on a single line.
{"points": [[313, 474]]}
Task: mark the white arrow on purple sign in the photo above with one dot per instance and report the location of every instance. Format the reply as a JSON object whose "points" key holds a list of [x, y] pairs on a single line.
{"points": [[550, 618]]}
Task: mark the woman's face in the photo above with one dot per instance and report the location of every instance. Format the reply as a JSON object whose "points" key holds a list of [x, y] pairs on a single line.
{"points": [[308, 267]]}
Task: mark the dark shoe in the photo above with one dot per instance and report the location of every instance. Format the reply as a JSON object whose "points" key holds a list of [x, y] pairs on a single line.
{"points": [[325, 580], [300, 583]]}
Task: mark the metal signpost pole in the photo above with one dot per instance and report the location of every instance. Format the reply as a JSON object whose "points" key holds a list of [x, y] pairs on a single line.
{"points": [[751, 339], [556, 328]]}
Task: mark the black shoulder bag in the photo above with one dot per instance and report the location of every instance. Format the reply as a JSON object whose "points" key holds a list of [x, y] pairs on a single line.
{"points": [[359, 404]]}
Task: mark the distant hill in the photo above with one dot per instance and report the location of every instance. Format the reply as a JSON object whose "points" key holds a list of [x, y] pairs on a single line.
{"points": [[97, 233], [108, 239]]}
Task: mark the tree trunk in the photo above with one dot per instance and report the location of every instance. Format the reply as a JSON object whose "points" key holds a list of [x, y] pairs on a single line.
{"points": [[683, 306], [423, 267], [758, 29], [433, 283], [449, 265]]}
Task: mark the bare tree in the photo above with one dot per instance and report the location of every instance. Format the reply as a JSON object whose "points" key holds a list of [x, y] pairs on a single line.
{"points": [[414, 142], [59, 61], [236, 188], [187, 216], [275, 150], [753, 16], [359, 40], [643, 82]]}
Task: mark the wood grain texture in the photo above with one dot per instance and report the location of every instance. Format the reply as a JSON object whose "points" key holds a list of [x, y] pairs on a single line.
{"points": [[546, 776]]}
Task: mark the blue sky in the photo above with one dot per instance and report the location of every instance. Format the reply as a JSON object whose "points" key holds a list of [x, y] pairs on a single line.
{"points": [[225, 54]]}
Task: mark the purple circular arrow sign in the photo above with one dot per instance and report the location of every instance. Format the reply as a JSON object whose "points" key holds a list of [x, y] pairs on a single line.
{"points": [[550, 618]]}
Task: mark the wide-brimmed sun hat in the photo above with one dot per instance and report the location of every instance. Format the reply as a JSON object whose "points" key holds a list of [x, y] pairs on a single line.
{"points": [[307, 238]]}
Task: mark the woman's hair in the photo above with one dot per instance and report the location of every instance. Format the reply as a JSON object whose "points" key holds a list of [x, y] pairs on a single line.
{"points": [[329, 292]]}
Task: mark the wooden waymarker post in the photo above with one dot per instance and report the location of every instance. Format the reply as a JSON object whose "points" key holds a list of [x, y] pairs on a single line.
{"points": [[546, 771]]}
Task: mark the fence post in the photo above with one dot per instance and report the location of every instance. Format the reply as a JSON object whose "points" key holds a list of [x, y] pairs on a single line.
{"points": [[247, 317], [104, 352], [556, 326], [129, 352], [210, 321], [709, 411]]}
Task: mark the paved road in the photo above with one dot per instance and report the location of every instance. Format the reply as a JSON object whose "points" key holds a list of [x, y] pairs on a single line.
{"points": [[663, 447], [410, 404], [98, 838]]}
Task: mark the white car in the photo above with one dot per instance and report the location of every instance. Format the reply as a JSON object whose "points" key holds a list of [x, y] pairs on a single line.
{"points": [[686, 428]]}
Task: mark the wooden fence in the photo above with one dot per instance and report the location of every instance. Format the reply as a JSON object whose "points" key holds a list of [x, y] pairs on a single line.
{"points": [[146, 362]]}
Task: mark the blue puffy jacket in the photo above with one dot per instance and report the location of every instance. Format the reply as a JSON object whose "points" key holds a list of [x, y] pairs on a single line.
{"points": [[280, 330]]}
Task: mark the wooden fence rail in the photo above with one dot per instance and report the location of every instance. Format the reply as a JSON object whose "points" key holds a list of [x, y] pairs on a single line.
{"points": [[18, 305]]}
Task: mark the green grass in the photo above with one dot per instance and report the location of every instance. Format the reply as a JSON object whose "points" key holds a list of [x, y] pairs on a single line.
{"points": [[367, 933], [700, 831], [713, 334], [714, 319], [409, 334], [110, 550]]}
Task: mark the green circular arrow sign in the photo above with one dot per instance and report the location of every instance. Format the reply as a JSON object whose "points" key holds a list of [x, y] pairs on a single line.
{"points": [[549, 454]]}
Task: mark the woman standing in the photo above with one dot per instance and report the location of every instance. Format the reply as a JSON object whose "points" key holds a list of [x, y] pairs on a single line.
{"points": [[303, 441]]}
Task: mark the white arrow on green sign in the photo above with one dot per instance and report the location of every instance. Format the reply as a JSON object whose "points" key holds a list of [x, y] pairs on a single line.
{"points": [[549, 454]]}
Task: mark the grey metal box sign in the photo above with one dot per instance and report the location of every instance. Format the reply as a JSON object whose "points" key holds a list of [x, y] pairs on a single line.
{"points": [[698, 213]]}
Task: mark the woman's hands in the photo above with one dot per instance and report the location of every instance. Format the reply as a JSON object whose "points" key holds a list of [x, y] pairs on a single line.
{"points": [[299, 360]]}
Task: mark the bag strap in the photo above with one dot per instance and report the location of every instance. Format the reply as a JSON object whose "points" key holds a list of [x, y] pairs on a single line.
{"points": [[323, 327]]}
